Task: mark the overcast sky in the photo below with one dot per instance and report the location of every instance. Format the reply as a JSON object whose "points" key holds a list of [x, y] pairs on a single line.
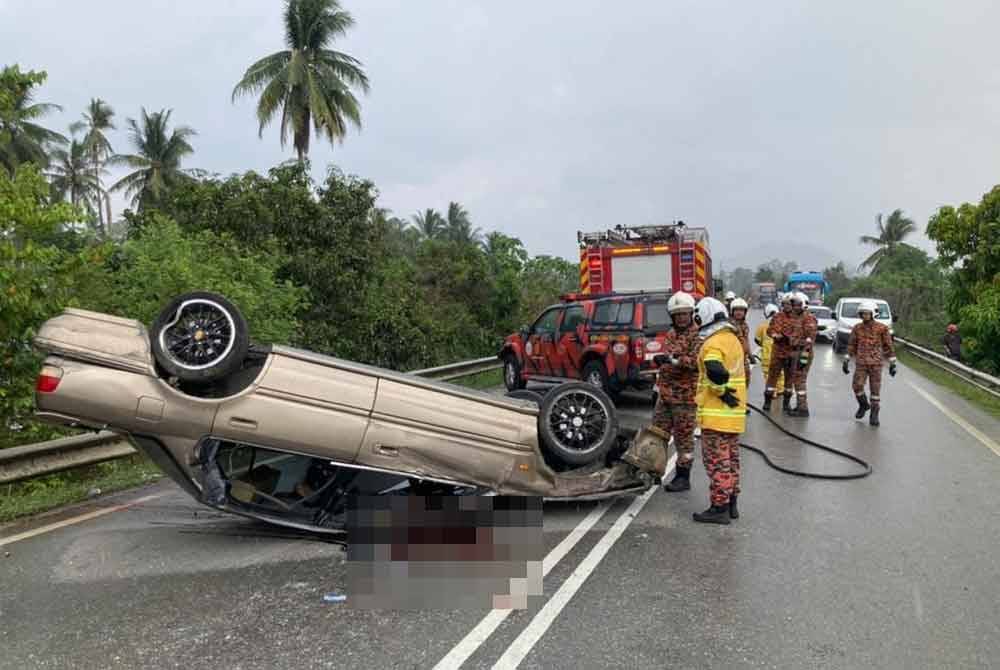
{"points": [[767, 122]]}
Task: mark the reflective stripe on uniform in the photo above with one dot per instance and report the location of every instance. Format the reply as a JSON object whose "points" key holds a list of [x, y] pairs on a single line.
{"points": [[721, 412]]}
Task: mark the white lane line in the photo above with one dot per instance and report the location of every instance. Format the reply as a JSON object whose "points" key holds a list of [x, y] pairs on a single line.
{"points": [[536, 629], [76, 519], [969, 428], [468, 645]]}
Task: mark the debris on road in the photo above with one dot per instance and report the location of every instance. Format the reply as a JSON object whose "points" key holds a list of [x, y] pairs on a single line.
{"points": [[334, 598]]}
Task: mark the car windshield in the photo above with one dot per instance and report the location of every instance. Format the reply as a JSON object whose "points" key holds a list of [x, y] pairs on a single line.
{"points": [[820, 312], [850, 310]]}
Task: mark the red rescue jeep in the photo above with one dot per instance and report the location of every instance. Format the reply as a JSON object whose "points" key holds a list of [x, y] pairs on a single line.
{"points": [[607, 340]]}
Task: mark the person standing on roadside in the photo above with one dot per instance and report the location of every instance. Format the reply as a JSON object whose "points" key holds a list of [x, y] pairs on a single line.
{"points": [[953, 343], [677, 382], [722, 402]]}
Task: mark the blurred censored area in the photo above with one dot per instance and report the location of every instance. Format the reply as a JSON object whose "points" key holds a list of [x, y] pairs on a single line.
{"points": [[444, 552]]}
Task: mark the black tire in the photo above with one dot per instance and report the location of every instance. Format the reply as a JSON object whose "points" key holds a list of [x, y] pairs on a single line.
{"points": [[595, 374], [525, 394], [577, 423], [212, 316], [512, 373]]}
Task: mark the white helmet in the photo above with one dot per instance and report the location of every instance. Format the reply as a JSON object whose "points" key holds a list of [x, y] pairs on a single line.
{"points": [[868, 306], [680, 302], [730, 296], [709, 311], [796, 297], [738, 303], [770, 310], [786, 298], [803, 297]]}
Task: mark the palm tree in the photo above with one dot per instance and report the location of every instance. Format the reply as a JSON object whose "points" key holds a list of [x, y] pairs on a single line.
{"points": [[308, 82], [891, 233], [24, 141], [72, 178], [157, 163], [459, 226], [96, 121], [429, 224]]}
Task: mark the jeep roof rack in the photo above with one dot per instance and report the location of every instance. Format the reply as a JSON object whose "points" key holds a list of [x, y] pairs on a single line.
{"points": [[574, 297]]}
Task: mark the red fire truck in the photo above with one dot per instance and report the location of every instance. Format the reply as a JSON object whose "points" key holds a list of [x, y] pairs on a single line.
{"points": [[671, 257]]}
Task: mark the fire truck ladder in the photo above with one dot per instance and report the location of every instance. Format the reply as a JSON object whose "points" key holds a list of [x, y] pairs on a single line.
{"points": [[595, 269], [687, 265]]}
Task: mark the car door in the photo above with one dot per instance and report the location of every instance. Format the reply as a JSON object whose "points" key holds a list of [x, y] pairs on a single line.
{"points": [[542, 337], [569, 348]]}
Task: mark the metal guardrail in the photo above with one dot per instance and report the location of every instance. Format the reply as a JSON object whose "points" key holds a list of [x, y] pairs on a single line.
{"points": [[66, 453], [981, 380], [456, 370]]}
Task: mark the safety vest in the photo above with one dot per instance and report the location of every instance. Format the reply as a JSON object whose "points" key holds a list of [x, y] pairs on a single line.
{"points": [[713, 414], [766, 343]]}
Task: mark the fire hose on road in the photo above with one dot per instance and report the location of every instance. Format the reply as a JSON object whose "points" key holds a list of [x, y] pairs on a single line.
{"points": [[804, 473]]}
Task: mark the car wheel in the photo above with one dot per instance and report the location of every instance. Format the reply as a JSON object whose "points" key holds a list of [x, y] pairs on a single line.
{"points": [[577, 423], [200, 337], [512, 373], [525, 394], [595, 374]]}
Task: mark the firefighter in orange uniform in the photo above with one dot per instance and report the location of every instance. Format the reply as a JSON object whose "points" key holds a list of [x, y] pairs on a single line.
{"points": [[870, 344], [677, 382]]}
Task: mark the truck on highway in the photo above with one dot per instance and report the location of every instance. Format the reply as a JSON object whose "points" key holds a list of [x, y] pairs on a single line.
{"points": [[662, 258], [811, 283], [763, 292]]}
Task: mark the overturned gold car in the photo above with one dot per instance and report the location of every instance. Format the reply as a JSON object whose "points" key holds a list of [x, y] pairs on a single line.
{"points": [[287, 436]]}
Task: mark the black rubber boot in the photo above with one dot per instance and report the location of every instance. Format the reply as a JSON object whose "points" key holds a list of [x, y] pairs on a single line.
{"points": [[863, 406], [786, 402], [873, 417], [801, 412], [734, 512], [714, 514], [680, 482], [767, 402]]}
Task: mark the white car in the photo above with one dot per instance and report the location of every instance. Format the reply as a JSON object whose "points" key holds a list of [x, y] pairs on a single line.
{"points": [[846, 314], [826, 323]]}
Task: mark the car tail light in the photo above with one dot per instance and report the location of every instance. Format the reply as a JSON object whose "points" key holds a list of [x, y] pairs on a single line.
{"points": [[48, 379]]}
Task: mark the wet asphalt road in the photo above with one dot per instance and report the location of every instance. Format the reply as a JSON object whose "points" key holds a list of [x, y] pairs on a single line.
{"points": [[898, 570]]}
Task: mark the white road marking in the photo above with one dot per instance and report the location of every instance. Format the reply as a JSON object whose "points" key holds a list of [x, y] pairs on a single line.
{"points": [[968, 427], [468, 645], [73, 520], [536, 629]]}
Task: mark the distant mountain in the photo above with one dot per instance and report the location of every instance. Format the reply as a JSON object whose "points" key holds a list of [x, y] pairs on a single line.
{"points": [[808, 256]]}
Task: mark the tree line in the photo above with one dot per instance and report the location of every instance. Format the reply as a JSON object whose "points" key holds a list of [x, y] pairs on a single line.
{"points": [[316, 264]]}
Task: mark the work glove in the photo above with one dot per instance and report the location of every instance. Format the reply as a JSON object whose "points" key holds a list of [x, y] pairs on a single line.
{"points": [[846, 367], [892, 369], [803, 357], [730, 398]]}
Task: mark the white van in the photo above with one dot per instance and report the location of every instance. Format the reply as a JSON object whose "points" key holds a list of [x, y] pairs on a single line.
{"points": [[846, 314]]}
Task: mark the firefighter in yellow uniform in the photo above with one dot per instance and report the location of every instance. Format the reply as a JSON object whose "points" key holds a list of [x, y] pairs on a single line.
{"points": [[766, 345], [722, 405]]}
